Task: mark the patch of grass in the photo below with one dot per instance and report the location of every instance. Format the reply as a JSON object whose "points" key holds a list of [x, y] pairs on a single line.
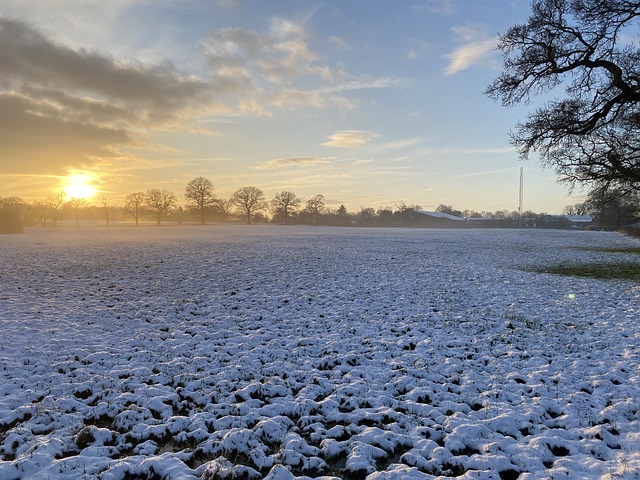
{"points": [[603, 271], [635, 250]]}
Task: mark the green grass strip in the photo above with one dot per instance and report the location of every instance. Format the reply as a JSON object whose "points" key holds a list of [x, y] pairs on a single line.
{"points": [[632, 250], [604, 271]]}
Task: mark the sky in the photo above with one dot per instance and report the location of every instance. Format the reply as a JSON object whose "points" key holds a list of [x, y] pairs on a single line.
{"points": [[369, 103]]}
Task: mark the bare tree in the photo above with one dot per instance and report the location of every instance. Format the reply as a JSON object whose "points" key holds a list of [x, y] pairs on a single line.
{"points": [[588, 48], [315, 205], [224, 208], [576, 209], [449, 210], [249, 200], [199, 191], [76, 204], [41, 211], [55, 203], [160, 202], [284, 203], [104, 199], [133, 205]]}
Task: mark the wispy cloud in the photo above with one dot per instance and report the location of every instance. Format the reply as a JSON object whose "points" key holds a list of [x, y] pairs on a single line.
{"points": [[398, 145], [443, 7], [475, 50], [349, 139], [452, 151], [278, 67], [468, 55], [485, 173], [340, 42], [297, 162]]}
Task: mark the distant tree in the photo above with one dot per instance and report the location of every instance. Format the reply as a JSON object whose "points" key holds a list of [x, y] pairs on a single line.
{"points": [[104, 199], [366, 217], [471, 214], [589, 48], [199, 193], [448, 209], [403, 207], [385, 217], [442, 208], [613, 207], [133, 205], [315, 206], [249, 201], [576, 209], [178, 215], [342, 216], [223, 209], [55, 203], [160, 202], [284, 203], [40, 211], [12, 211], [76, 204]]}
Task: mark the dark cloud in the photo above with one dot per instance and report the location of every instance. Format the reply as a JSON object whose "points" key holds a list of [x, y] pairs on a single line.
{"points": [[29, 57], [57, 100]]}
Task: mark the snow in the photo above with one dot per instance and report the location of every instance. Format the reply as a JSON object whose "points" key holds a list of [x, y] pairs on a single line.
{"points": [[295, 353]]}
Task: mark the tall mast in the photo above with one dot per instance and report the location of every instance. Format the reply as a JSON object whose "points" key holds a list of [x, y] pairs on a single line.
{"points": [[520, 200]]}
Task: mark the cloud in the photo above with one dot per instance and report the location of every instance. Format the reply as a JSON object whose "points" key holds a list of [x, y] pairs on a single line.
{"points": [[340, 42], [475, 51], [278, 67], [299, 162], [349, 139], [33, 137], [63, 106], [398, 144], [442, 7], [29, 57], [485, 173]]}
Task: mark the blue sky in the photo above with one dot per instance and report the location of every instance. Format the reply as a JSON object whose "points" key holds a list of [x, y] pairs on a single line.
{"points": [[370, 103]]}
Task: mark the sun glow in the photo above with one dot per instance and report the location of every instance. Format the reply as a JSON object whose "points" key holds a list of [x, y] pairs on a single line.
{"points": [[79, 185]]}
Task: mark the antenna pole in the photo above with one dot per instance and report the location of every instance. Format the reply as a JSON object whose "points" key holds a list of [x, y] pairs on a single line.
{"points": [[520, 199]]}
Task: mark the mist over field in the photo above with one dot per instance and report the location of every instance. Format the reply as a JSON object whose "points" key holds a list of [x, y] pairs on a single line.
{"points": [[233, 351]]}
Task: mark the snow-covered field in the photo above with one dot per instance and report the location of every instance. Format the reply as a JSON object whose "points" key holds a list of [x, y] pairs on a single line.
{"points": [[226, 352]]}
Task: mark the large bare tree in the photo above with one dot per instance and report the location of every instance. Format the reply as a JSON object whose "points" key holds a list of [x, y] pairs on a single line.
{"points": [[587, 49], [160, 202], [134, 203], [315, 205], [249, 200], [199, 193], [284, 203]]}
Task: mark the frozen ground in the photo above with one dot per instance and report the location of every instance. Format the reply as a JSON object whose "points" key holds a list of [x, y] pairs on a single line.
{"points": [[230, 352]]}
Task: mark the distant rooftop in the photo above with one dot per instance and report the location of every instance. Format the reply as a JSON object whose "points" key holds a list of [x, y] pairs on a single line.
{"points": [[440, 215], [579, 218]]}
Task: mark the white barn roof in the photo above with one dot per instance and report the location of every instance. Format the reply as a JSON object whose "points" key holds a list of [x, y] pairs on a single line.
{"points": [[440, 215]]}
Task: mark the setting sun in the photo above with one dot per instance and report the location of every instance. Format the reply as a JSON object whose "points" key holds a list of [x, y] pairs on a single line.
{"points": [[79, 185]]}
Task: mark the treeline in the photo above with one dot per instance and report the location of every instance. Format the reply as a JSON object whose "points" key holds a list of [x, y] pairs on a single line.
{"points": [[250, 205]]}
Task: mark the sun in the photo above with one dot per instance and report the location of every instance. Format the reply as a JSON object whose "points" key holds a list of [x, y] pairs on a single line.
{"points": [[79, 185]]}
